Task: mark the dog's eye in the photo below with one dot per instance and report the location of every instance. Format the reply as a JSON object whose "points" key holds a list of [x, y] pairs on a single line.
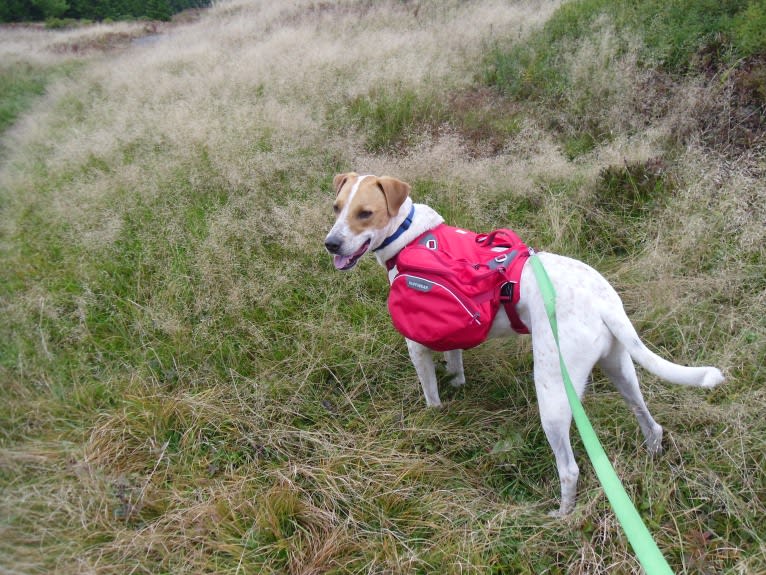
{"points": [[364, 215], [336, 209]]}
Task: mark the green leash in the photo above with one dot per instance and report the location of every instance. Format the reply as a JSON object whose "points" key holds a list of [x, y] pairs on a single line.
{"points": [[644, 546]]}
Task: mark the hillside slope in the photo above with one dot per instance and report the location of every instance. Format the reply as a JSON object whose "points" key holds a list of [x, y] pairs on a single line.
{"points": [[190, 387]]}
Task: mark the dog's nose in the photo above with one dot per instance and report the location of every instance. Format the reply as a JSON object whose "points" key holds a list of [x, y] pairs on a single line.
{"points": [[332, 245]]}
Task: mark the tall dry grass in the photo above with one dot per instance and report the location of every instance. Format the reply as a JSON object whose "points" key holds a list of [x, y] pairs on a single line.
{"points": [[189, 386]]}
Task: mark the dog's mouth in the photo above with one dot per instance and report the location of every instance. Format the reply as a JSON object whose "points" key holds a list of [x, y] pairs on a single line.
{"points": [[344, 263]]}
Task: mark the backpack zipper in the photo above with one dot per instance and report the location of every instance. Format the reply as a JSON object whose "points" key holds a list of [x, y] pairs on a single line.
{"points": [[473, 315]]}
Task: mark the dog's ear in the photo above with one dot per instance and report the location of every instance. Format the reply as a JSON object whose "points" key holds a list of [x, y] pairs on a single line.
{"points": [[395, 192], [340, 179]]}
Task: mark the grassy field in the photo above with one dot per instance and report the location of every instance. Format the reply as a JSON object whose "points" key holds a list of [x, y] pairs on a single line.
{"points": [[188, 386]]}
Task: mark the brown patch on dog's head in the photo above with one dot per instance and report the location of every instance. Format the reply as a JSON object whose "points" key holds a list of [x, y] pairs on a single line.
{"points": [[395, 192], [369, 203], [340, 179]]}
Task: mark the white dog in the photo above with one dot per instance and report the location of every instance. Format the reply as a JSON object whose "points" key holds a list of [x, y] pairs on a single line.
{"points": [[592, 323]]}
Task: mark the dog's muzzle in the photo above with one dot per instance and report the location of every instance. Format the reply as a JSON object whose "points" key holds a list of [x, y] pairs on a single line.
{"points": [[332, 244], [340, 261]]}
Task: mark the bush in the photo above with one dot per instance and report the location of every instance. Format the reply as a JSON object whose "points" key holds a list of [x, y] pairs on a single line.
{"points": [[61, 23]]}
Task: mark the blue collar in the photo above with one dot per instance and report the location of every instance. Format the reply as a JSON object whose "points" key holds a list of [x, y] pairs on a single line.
{"points": [[399, 231]]}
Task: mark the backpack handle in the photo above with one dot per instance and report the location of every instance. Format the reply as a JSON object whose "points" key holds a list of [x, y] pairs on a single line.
{"points": [[490, 239]]}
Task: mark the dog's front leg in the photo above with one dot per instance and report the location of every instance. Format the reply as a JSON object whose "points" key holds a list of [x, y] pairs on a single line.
{"points": [[454, 359], [422, 359]]}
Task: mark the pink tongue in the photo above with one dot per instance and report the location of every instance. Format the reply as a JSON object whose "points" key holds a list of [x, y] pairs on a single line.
{"points": [[341, 261]]}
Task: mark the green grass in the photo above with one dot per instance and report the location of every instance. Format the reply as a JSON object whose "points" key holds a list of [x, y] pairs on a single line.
{"points": [[395, 118], [673, 35], [190, 387], [19, 85], [659, 38], [627, 199]]}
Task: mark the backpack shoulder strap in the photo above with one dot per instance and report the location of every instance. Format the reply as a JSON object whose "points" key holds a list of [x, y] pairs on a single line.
{"points": [[509, 297], [510, 291]]}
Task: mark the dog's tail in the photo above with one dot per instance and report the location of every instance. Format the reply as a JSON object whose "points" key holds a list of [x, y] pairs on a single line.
{"points": [[623, 330]]}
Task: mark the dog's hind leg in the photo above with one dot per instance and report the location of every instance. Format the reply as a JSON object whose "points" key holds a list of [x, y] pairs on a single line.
{"points": [[618, 367], [555, 410], [454, 359], [556, 419], [556, 427], [422, 359]]}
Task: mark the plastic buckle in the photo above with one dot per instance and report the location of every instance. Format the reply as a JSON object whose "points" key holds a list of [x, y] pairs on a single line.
{"points": [[506, 292]]}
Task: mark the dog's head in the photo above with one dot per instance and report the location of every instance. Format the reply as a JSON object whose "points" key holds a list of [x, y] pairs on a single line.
{"points": [[365, 208]]}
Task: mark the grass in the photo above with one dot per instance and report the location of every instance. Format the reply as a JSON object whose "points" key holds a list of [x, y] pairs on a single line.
{"points": [[19, 85], [400, 117], [673, 36], [589, 40], [190, 387]]}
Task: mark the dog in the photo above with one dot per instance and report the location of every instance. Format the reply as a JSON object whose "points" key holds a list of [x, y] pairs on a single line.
{"points": [[593, 327]]}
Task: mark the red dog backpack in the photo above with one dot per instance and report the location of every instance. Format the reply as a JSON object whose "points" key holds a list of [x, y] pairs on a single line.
{"points": [[450, 283]]}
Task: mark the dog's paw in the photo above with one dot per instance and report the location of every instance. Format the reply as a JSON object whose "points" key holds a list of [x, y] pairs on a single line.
{"points": [[712, 378], [654, 442], [457, 380], [559, 513]]}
